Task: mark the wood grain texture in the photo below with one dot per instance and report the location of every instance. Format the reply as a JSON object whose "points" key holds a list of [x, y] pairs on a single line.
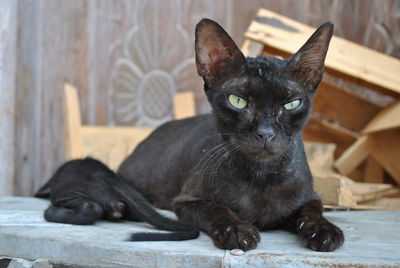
{"points": [[373, 171], [388, 118], [8, 39], [346, 59], [99, 46], [386, 151], [345, 107], [72, 124], [354, 155], [321, 130]]}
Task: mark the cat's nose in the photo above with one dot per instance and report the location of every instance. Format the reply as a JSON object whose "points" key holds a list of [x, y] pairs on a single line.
{"points": [[266, 133]]}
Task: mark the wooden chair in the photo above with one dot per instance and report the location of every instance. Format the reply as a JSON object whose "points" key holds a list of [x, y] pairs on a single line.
{"points": [[108, 144]]}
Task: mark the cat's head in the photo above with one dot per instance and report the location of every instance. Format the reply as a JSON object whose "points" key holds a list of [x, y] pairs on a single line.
{"points": [[259, 103]]}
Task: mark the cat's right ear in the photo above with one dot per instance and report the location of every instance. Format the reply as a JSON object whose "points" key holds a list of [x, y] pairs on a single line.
{"points": [[217, 56], [307, 65]]}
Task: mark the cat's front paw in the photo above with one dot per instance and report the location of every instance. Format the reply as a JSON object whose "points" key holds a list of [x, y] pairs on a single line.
{"points": [[243, 236], [319, 234]]}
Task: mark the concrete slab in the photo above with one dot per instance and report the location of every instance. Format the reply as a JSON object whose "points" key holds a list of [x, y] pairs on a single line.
{"points": [[372, 239]]}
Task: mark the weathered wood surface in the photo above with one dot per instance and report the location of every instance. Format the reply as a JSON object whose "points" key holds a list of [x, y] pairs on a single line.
{"points": [[372, 240], [8, 42], [345, 59], [128, 58], [112, 50]]}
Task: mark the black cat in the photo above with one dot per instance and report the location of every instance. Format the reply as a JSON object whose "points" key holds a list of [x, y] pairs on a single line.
{"points": [[84, 190], [243, 168]]}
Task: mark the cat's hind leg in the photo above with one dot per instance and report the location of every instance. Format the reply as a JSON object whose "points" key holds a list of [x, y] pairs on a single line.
{"points": [[84, 214]]}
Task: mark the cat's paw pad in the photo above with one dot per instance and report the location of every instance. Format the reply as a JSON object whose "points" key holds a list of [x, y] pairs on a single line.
{"points": [[320, 234], [242, 236]]}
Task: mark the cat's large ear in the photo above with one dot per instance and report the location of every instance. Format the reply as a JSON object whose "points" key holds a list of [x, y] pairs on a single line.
{"points": [[307, 65], [217, 55]]}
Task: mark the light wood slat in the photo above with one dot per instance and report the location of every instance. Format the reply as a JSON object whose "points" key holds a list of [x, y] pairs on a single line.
{"points": [[353, 156], [387, 119], [184, 105], [111, 145], [72, 123], [344, 57]]}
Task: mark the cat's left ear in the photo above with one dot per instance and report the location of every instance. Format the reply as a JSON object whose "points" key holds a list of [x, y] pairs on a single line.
{"points": [[307, 65]]}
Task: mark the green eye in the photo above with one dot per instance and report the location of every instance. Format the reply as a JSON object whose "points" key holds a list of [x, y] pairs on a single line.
{"points": [[237, 101], [292, 105]]}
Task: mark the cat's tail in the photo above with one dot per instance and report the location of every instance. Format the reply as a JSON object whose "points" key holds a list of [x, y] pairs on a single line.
{"points": [[146, 212]]}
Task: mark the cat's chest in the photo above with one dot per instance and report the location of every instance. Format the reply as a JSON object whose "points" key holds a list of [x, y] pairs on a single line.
{"points": [[266, 206]]}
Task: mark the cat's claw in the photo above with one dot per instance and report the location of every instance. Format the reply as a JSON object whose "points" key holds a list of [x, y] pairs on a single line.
{"points": [[320, 234], [242, 236]]}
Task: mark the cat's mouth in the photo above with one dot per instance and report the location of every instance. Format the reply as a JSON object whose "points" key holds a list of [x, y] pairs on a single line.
{"points": [[261, 155], [259, 151]]}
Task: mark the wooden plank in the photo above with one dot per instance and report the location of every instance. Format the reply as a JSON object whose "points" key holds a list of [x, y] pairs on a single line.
{"points": [[320, 130], [344, 107], [8, 62], [252, 49], [111, 144], [184, 105], [334, 191], [72, 123], [366, 192], [344, 57], [373, 171], [353, 156], [381, 204], [388, 118], [386, 151]]}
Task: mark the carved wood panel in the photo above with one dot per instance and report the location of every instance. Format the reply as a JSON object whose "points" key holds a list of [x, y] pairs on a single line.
{"points": [[127, 58]]}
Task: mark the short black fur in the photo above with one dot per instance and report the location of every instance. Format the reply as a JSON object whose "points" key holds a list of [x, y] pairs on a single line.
{"points": [[84, 190], [241, 169]]}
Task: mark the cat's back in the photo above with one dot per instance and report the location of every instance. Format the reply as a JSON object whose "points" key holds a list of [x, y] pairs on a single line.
{"points": [[158, 166]]}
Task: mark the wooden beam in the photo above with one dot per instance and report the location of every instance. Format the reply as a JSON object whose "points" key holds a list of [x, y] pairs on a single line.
{"points": [[111, 144], [184, 105], [388, 118], [347, 59], [334, 191], [72, 123], [353, 156], [373, 171], [386, 150]]}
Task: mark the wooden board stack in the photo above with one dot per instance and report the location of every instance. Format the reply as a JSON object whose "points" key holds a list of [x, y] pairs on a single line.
{"points": [[364, 129]]}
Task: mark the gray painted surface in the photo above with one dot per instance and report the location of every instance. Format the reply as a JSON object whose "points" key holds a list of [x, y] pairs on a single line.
{"points": [[372, 239]]}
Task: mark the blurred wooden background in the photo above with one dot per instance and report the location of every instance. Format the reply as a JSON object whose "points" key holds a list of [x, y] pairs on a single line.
{"points": [[128, 58]]}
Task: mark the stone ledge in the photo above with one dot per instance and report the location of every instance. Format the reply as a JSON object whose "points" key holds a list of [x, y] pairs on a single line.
{"points": [[372, 238]]}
